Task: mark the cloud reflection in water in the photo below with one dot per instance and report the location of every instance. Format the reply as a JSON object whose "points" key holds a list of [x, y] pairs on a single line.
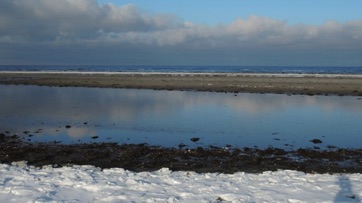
{"points": [[171, 117]]}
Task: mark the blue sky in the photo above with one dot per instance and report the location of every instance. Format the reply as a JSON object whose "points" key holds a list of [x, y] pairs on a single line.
{"points": [[218, 11], [182, 32]]}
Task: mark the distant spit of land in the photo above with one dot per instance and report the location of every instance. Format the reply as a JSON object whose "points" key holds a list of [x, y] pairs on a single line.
{"points": [[219, 82]]}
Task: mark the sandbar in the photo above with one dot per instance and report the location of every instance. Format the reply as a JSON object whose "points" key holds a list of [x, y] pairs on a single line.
{"points": [[310, 84]]}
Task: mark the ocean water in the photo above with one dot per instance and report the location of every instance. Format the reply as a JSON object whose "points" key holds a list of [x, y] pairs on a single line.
{"points": [[192, 69]]}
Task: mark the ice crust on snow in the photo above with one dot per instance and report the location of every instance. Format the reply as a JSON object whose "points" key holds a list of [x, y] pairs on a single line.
{"points": [[22, 183]]}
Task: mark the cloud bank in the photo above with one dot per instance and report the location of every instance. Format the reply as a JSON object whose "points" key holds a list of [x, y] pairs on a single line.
{"points": [[83, 31]]}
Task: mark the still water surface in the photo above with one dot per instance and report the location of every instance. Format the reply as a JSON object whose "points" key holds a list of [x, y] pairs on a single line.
{"points": [[168, 118]]}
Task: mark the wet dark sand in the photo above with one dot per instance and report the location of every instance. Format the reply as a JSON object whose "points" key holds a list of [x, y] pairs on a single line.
{"points": [[148, 158], [226, 160], [221, 82]]}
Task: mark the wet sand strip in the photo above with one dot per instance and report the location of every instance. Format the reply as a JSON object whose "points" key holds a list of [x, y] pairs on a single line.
{"points": [[309, 84]]}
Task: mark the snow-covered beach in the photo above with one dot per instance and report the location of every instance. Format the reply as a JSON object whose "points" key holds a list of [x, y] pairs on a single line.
{"points": [[180, 101], [21, 183]]}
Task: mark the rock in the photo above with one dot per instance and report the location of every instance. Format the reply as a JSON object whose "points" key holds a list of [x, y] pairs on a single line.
{"points": [[195, 139], [68, 126], [316, 141], [94, 137]]}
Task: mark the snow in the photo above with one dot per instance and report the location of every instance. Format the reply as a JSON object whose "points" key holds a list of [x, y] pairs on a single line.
{"points": [[22, 183]]}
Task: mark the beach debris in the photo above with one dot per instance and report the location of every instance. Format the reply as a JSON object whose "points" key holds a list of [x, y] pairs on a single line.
{"points": [[195, 139], [316, 141], [94, 137], [213, 147], [68, 126]]}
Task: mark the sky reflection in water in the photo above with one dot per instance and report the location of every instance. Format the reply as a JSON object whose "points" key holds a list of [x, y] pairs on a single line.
{"points": [[169, 118]]}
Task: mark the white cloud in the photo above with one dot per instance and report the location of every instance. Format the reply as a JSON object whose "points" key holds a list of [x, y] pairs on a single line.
{"points": [[87, 23], [44, 20]]}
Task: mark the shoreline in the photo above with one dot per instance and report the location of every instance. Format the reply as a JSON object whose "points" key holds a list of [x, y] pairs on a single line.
{"points": [[185, 73], [143, 157], [310, 84]]}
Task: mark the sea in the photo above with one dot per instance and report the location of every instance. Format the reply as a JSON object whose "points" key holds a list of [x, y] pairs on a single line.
{"points": [[188, 69]]}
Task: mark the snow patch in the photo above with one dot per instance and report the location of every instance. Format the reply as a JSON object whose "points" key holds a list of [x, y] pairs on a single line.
{"points": [[22, 183]]}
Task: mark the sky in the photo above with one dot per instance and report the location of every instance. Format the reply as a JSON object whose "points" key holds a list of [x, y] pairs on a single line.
{"points": [[173, 32]]}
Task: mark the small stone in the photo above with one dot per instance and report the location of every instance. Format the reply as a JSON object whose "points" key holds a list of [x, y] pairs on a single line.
{"points": [[68, 126], [94, 137], [14, 137], [351, 196], [38, 131]]}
